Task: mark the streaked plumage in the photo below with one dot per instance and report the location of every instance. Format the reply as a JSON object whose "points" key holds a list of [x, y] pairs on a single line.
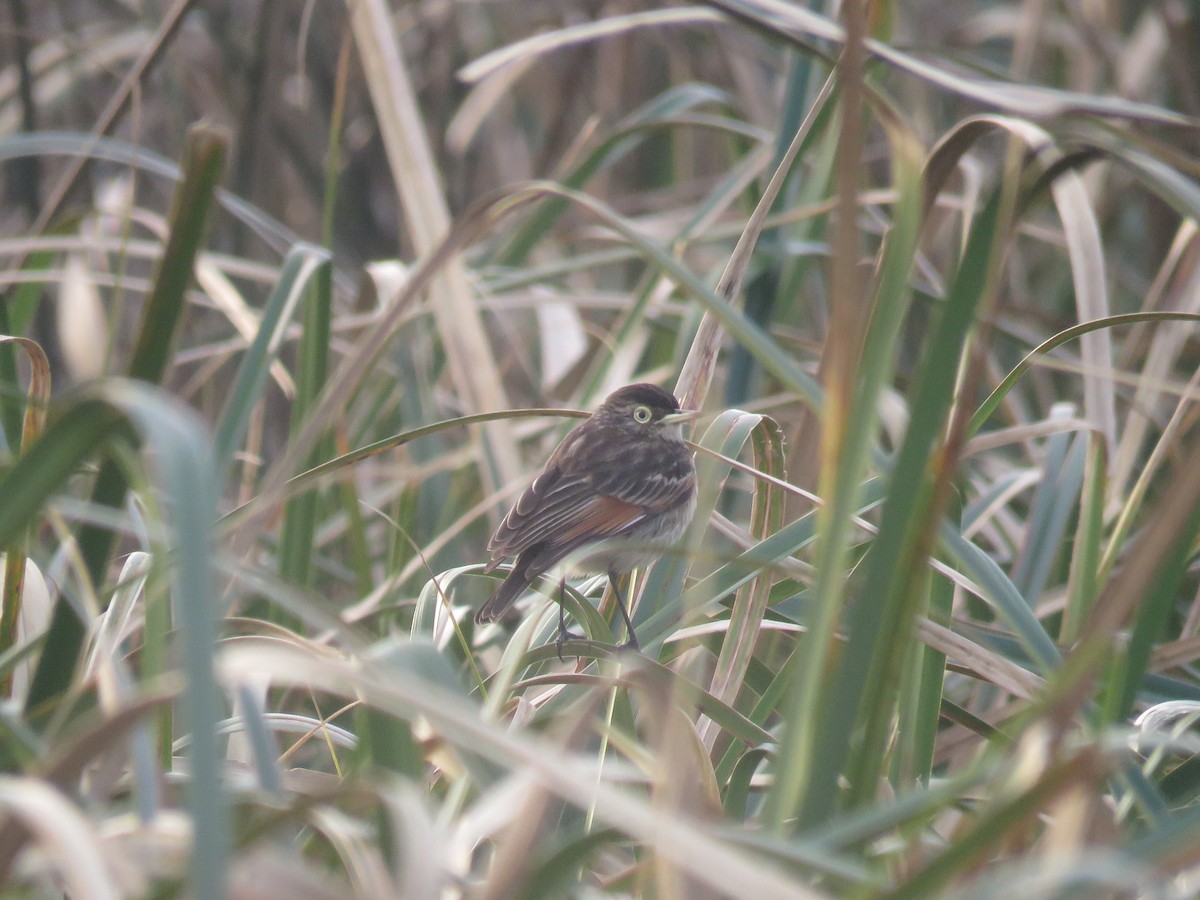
{"points": [[624, 475]]}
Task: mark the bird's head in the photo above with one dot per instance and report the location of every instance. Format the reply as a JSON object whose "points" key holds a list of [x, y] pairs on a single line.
{"points": [[644, 408]]}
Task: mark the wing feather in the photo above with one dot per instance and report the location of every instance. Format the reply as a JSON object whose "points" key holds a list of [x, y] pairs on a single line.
{"points": [[589, 492]]}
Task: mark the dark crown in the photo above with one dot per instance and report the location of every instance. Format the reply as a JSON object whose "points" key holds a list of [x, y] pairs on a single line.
{"points": [[650, 395]]}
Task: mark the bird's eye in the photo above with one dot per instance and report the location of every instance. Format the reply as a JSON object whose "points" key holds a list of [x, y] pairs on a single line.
{"points": [[642, 414]]}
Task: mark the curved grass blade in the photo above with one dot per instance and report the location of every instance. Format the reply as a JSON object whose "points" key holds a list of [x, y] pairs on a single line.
{"points": [[661, 604], [998, 393], [186, 473], [629, 134], [697, 370], [687, 844], [33, 422], [302, 480], [193, 201], [850, 441], [806, 28], [1008, 811], [1055, 501], [142, 159], [750, 604], [302, 263], [1084, 581], [879, 624], [458, 315]]}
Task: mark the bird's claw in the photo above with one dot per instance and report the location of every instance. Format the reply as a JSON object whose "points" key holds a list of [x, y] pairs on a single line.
{"points": [[630, 644], [563, 637]]}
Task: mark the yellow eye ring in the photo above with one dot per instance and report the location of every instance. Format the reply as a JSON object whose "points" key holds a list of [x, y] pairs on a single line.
{"points": [[642, 415]]}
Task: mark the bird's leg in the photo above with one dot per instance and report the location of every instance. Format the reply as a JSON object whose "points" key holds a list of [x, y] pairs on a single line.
{"points": [[563, 634], [632, 642]]}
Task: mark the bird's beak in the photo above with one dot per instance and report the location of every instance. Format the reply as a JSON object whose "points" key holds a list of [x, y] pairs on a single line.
{"points": [[684, 415]]}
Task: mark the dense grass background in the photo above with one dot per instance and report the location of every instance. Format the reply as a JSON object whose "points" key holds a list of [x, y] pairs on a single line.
{"points": [[295, 293]]}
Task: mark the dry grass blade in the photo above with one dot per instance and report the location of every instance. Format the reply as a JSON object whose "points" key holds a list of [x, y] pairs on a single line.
{"points": [[1091, 296], [611, 26], [709, 860], [151, 53], [917, 679], [697, 371], [365, 353], [472, 364], [64, 835], [1171, 286], [989, 665], [1149, 559]]}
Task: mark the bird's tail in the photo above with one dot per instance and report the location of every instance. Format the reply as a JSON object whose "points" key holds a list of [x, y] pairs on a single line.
{"points": [[510, 589]]}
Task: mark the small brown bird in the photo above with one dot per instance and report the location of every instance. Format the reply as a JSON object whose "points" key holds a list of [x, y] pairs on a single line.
{"points": [[618, 490]]}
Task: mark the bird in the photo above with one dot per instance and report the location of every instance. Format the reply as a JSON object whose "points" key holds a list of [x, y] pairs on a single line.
{"points": [[617, 491]]}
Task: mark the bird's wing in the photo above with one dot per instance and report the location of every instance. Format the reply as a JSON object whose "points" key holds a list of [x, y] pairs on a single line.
{"points": [[560, 510], [589, 492], [654, 486]]}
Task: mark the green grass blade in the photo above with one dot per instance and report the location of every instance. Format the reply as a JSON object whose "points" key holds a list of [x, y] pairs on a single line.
{"points": [[880, 621], [1084, 581], [798, 776], [300, 514], [72, 438], [298, 269], [164, 308], [627, 137], [1055, 502], [1008, 602], [187, 473]]}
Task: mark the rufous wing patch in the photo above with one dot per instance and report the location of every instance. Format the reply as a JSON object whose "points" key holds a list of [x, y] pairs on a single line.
{"points": [[601, 516]]}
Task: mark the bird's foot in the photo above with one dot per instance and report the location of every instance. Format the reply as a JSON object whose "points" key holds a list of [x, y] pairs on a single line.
{"points": [[563, 637]]}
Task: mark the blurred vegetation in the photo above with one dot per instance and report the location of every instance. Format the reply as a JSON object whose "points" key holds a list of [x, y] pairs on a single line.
{"points": [[293, 295]]}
